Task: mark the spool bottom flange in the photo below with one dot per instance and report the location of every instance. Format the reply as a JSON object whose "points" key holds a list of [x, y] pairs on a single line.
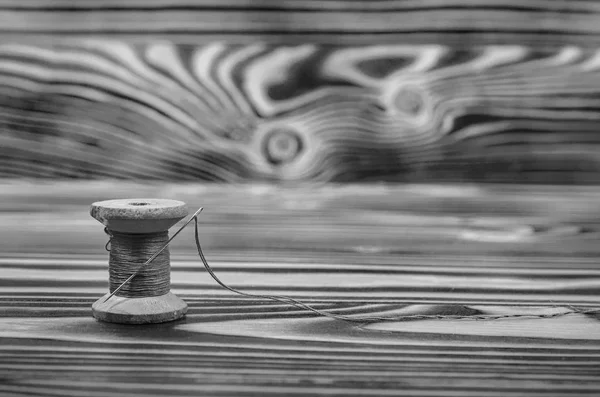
{"points": [[147, 310]]}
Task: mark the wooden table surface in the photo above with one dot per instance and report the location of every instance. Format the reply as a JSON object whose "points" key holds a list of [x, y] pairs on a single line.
{"points": [[358, 249]]}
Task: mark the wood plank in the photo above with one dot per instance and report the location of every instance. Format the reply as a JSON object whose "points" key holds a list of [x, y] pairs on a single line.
{"points": [[331, 21], [230, 345]]}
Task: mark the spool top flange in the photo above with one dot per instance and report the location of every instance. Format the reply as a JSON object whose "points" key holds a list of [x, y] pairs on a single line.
{"points": [[139, 216]]}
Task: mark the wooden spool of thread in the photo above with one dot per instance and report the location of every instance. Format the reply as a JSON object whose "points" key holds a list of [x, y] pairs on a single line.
{"points": [[139, 233], [138, 229]]}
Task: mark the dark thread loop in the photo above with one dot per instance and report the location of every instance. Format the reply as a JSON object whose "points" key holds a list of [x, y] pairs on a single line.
{"points": [[106, 231]]}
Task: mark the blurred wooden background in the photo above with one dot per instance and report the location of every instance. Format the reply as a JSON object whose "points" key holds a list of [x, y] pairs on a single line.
{"points": [[301, 90]]}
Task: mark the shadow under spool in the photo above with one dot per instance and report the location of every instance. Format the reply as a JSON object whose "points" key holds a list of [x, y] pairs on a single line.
{"points": [[138, 229]]}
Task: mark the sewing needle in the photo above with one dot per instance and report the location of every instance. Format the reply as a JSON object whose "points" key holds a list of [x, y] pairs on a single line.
{"points": [[157, 253]]}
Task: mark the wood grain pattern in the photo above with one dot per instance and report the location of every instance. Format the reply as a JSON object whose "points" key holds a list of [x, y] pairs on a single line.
{"points": [[95, 108], [544, 23], [353, 249]]}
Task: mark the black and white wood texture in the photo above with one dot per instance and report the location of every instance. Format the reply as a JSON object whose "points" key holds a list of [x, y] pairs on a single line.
{"points": [[355, 249], [300, 90]]}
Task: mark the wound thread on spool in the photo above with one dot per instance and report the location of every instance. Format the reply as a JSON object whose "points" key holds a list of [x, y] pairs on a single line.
{"points": [[138, 229], [126, 252]]}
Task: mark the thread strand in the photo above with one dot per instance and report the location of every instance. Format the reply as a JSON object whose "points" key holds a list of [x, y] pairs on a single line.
{"points": [[140, 267], [373, 319]]}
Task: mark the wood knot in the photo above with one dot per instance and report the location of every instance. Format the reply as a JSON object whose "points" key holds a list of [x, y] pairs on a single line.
{"points": [[409, 100], [282, 146]]}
